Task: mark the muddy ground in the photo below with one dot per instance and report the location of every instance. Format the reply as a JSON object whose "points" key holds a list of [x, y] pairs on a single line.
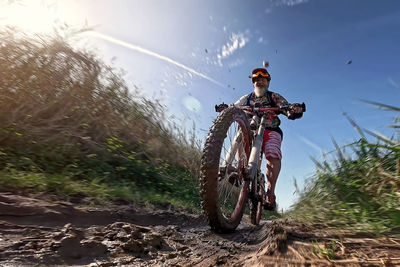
{"points": [[40, 232]]}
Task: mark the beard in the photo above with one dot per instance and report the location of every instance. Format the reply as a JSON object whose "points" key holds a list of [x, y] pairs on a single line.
{"points": [[260, 91]]}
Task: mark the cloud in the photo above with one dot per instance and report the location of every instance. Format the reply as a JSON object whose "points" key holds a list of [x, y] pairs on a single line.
{"points": [[236, 41], [268, 10], [236, 63], [153, 54], [261, 40], [290, 2], [283, 3]]}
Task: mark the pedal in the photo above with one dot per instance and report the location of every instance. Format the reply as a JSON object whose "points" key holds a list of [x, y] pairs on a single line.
{"points": [[246, 174]]}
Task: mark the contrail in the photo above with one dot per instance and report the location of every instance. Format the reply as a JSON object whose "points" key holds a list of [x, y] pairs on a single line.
{"points": [[311, 144], [393, 83], [154, 54]]}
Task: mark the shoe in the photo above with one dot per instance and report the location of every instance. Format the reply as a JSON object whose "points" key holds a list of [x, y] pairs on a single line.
{"points": [[234, 179], [270, 203]]}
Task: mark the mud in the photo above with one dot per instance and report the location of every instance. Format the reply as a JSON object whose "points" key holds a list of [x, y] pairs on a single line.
{"points": [[40, 232]]}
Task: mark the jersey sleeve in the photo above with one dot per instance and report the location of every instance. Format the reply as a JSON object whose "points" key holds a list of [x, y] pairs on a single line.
{"points": [[241, 101], [279, 100]]}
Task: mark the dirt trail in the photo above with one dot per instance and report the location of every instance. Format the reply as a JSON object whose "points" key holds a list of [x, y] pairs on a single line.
{"points": [[36, 232]]}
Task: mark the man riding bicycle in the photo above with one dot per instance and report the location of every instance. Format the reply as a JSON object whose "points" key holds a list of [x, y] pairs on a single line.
{"points": [[273, 134]]}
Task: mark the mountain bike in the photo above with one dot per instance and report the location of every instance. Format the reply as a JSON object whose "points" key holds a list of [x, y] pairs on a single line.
{"points": [[230, 172]]}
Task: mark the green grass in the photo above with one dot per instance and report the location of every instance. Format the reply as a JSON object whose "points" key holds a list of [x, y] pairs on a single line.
{"points": [[327, 251], [100, 192], [358, 189], [70, 126], [60, 185]]}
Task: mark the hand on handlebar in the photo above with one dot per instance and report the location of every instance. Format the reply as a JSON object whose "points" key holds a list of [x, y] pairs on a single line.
{"points": [[295, 111], [220, 107]]}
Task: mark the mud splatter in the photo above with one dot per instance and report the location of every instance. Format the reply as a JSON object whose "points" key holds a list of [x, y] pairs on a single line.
{"points": [[42, 233]]}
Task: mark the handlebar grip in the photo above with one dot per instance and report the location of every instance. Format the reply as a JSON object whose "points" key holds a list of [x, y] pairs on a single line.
{"points": [[303, 107], [220, 107]]}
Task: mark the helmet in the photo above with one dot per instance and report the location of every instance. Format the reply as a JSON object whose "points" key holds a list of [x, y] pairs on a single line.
{"points": [[260, 72]]}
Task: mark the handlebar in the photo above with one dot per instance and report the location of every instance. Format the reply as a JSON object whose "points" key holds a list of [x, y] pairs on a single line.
{"points": [[261, 109], [252, 109], [275, 109]]}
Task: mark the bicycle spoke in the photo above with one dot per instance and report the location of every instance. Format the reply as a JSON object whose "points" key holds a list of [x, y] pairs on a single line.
{"points": [[230, 134], [225, 149], [233, 151], [229, 194]]}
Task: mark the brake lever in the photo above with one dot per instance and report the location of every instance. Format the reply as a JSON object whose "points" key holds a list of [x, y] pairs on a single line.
{"points": [[303, 107]]}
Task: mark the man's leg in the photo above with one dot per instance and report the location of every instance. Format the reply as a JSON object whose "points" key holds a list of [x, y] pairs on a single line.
{"points": [[272, 150], [273, 169]]}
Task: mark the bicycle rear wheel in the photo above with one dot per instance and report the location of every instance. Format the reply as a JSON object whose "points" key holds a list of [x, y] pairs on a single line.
{"points": [[223, 188]]}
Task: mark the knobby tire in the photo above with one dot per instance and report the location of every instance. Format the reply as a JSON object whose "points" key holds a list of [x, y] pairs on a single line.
{"points": [[256, 204], [210, 168]]}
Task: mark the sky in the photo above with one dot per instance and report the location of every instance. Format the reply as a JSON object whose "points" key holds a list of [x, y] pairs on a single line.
{"points": [[192, 55]]}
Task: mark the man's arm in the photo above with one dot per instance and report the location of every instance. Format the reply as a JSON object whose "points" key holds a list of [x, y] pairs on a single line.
{"points": [[241, 101], [279, 100], [295, 111]]}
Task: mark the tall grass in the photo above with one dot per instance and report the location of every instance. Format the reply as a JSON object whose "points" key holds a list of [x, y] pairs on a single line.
{"points": [[64, 111], [360, 188]]}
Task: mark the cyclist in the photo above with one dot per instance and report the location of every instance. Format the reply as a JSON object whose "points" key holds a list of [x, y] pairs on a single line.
{"points": [[273, 134]]}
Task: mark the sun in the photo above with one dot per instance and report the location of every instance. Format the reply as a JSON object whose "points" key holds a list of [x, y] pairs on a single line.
{"points": [[35, 16]]}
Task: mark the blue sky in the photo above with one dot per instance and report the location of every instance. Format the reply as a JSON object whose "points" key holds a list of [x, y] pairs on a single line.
{"points": [[195, 54]]}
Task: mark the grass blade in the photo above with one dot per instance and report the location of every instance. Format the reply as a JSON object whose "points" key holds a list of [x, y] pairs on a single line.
{"points": [[355, 125], [382, 106], [381, 137]]}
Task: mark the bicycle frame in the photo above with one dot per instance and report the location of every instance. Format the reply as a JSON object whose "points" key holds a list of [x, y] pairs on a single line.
{"points": [[255, 158], [256, 149]]}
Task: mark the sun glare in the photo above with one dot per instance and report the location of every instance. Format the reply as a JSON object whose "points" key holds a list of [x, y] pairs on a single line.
{"points": [[36, 16]]}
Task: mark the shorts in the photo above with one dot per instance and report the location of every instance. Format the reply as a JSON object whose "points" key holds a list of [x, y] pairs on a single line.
{"points": [[272, 144]]}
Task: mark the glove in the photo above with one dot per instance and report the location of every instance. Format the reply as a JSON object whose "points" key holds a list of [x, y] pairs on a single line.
{"points": [[294, 116], [220, 107], [296, 111]]}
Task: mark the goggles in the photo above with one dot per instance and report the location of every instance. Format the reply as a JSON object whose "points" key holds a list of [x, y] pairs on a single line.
{"points": [[260, 74]]}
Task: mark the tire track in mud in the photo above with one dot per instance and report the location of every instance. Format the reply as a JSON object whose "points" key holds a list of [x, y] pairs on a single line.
{"points": [[36, 232]]}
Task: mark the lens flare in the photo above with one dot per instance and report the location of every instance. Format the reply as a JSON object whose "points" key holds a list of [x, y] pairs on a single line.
{"points": [[192, 103]]}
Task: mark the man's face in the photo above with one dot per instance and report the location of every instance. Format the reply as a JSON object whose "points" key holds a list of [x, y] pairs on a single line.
{"points": [[260, 82]]}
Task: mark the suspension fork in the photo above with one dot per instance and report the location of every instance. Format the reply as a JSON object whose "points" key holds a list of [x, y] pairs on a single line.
{"points": [[255, 154]]}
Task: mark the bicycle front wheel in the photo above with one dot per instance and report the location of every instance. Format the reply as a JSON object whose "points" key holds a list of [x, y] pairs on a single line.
{"points": [[224, 189], [256, 204]]}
